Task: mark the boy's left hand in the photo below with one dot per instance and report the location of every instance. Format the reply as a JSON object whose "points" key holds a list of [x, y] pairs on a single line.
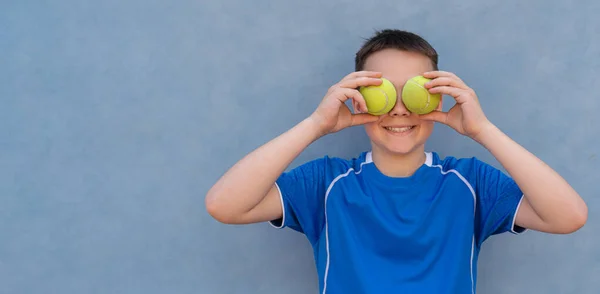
{"points": [[466, 116]]}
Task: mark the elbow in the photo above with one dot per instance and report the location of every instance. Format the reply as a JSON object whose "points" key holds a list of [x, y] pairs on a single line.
{"points": [[217, 210], [218, 213], [573, 226], [580, 216], [576, 220], [214, 209], [580, 219]]}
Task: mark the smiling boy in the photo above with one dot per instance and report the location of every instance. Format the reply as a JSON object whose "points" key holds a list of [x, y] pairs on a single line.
{"points": [[397, 219]]}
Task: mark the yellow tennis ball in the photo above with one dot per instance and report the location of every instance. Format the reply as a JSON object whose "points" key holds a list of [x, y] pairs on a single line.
{"points": [[417, 98], [380, 99]]}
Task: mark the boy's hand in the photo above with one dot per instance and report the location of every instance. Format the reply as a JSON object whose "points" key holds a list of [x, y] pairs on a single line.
{"points": [[466, 117], [333, 115]]}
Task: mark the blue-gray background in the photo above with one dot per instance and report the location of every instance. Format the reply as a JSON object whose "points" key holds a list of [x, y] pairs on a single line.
{"points": [[118, 116]]}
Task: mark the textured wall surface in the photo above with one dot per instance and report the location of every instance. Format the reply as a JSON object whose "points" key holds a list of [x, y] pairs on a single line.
{"points": [[118, 116]]}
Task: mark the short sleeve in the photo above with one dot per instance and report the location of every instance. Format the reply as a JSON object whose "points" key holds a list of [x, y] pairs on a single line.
{"points": [[302, 192], [498, 200]]}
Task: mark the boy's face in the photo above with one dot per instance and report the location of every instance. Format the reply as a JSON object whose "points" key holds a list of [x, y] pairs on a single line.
{"points": [[399, 131]]}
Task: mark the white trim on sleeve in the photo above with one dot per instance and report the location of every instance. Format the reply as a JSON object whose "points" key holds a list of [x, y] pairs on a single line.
{"points": [[273, 223]]}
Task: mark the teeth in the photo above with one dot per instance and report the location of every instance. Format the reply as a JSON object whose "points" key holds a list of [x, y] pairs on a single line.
{"points": [[398, 130]]}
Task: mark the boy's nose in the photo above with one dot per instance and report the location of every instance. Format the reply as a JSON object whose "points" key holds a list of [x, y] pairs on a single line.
{"points": [[399, 108]]}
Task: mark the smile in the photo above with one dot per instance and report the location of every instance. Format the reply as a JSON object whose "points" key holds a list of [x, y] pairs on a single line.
{"points": [[399, 129]]}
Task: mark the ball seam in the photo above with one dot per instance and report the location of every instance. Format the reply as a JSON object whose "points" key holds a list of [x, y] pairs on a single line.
{"points": [[428, 95]]}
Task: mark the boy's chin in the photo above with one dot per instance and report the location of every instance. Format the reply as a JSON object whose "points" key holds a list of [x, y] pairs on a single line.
{"points": [[400, 150]]}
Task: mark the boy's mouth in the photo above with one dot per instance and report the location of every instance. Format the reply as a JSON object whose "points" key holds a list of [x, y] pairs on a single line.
{"points": [[399, 129]]}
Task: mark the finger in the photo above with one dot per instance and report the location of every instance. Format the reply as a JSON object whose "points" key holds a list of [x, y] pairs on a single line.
{"points": [[457, 93], [361, 81], [440, 73], [363, 118], [363, 73], [445, 81], [346, 93], [437, 116]]}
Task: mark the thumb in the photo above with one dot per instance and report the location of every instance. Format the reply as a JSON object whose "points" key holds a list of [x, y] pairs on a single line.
{"points": [[363, 118], [436, 115]]}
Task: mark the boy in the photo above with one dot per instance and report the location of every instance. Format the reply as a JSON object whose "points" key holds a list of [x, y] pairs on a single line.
{"points": [[397, 219]]}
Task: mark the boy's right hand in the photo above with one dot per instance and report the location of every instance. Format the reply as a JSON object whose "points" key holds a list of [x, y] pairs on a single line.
{"points": [[243, 195], [333, 115]]}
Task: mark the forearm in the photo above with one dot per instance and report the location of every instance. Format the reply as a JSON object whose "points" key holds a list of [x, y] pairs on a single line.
{"points": [[554, 201], [245, 184]]}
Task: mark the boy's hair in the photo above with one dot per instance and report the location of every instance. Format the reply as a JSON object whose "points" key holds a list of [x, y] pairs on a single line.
{"points": [[395, 39]]}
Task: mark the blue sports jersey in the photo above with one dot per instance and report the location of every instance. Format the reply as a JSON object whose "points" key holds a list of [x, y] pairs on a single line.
{"points": [[372, 233]]}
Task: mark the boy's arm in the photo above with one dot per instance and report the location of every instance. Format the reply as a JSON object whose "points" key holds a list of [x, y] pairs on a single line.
{"points": [[550, 204], [246, 193]]}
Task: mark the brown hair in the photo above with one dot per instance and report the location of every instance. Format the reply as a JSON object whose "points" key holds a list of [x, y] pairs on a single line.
{"points": [[395, 39]]}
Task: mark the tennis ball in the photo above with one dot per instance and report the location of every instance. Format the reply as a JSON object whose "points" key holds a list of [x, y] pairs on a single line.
{"points": [[417, 98], [380, 99]]}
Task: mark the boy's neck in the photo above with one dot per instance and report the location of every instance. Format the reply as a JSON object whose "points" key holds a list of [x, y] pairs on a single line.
{"points": [[398, 165]]}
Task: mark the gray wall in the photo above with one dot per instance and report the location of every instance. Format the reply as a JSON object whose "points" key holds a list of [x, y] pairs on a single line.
{"points": [[118, 116]]}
